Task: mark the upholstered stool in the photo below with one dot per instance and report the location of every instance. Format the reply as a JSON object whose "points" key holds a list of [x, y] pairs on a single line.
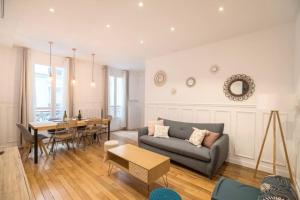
{"points": [[164, 194], [108, 145], [233, 190]]}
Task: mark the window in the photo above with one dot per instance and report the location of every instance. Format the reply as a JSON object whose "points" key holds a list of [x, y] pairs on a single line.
{"points": [[117, 99], [50, 95]]}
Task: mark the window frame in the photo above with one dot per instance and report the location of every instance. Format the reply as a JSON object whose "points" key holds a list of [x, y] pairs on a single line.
{"points": [[53, 85]]}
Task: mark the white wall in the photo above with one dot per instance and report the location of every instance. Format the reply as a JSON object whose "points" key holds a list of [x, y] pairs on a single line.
{"points": [[136, 99], [86, 98], [267, 56], [9, 95], [297, 122]]}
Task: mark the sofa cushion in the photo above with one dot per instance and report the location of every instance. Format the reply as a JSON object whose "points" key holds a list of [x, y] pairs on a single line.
{"points": [[178, 146], [183, 130]]}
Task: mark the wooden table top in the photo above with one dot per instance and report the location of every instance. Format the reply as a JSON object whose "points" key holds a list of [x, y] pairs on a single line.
{"points": [[48, 125], [13, 180], [142, 157]]}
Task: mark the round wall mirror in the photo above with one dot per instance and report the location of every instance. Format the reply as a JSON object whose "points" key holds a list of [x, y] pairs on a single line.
{"points": [[190, 82], [239, 87], [160, 78]]}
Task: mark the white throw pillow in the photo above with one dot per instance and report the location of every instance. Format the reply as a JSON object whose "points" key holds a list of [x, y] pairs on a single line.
{"points": [[197, 137], [151, 125], [161, 131]]}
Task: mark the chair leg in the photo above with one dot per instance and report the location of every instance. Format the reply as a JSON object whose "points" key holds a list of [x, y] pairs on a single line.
{"points": [[44, 148], [67, 143], [83, 141], [49, 142], [99, 138], [41, 150], [26, 152], [73, 144], [53, 148]]}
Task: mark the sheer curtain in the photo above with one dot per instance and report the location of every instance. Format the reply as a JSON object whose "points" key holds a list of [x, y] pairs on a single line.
{"points": [[117, 98], [105, 92], [71, 88], [24, 101]]}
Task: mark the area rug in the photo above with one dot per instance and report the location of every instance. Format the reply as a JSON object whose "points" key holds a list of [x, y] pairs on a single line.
{"points": [[132, 135]]}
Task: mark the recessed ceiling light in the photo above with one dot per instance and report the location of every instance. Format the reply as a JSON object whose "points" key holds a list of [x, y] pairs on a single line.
{"points": [[52, 10], [107, 25], [142, 42], [221, 9], [141, 4], [172, 29]]}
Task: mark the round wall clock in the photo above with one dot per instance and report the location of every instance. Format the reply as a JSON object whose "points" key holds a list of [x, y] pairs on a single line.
{"points": [[190, 82], [160, 78]]}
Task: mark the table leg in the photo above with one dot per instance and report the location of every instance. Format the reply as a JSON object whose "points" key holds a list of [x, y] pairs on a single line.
{"points": [[165, 178], [35, 146], [108, 130], [110, 167], [29, 129]]}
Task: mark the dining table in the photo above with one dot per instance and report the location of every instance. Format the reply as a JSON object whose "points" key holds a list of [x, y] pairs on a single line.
{"points": [[51, 125]]}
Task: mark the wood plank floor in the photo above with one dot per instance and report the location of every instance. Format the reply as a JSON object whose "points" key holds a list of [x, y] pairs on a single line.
{"points": [[83, 175]]}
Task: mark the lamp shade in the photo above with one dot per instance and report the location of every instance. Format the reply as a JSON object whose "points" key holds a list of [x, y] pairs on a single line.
{"points": [[276, 102]]}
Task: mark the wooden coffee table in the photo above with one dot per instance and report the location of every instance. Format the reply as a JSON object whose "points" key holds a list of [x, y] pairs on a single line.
{"points": [[145, 165]]}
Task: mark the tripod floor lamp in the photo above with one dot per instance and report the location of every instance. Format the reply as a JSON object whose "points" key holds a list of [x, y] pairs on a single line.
{"points": [[275, 103]]}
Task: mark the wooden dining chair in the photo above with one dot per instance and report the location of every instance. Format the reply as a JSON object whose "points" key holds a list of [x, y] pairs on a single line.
{"points": [[91, 130], [64, 133], [29, 141], [104, 125], [52, 131]]}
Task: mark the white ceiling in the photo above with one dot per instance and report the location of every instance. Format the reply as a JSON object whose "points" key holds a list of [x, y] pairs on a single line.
{"points": [[82, 24]]}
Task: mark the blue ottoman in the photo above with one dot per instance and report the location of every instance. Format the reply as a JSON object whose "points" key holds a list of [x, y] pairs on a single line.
{"points": [[164, 194], [227, 189]]}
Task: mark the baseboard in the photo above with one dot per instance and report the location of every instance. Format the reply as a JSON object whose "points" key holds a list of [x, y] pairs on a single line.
{"points": [[262, 166]]}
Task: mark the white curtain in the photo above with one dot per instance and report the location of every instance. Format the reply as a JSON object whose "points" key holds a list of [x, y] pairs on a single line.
{"points": [[70, 93], [24, 100], [104, 111], [117, 98]]}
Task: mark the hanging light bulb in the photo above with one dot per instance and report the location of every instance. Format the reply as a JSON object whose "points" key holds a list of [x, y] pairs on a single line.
{"points": [[74, 65], [93, 84], [50, 60]]}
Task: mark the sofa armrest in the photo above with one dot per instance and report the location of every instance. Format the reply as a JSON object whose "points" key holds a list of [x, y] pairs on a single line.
{"points": [[141, 132], [218, 153]]}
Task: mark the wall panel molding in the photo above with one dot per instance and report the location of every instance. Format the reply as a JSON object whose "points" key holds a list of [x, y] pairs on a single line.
{"points": [[243, 123], [9, 135]]}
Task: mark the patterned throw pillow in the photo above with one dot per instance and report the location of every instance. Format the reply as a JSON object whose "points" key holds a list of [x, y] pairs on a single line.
{"points": [[197, 137], [277, 188], [151, 126], [161, 131]]}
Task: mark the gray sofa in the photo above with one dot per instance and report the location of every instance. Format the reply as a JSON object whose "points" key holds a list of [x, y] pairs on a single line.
{"points": [[204, 160]]}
